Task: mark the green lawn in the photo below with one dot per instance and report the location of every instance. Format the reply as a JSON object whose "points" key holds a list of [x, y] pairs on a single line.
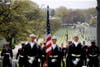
{"points": [[61, 34]]}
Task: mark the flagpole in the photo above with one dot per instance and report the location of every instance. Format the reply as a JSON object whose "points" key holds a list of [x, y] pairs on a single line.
{"points": [[47, 33], [48, 21], [48, 24]]}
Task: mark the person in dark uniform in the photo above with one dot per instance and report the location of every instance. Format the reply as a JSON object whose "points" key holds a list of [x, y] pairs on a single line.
{"points": [[32, 52], [63, 54], [54, 60], [85, 52], [93, 53], [67, 48], [7, 55], [21, 56], [74, 58], [42, 54]]}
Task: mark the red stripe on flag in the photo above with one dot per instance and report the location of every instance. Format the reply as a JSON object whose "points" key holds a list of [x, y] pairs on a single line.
{"points": [[49, 52], [48, 45], [48, 38]]}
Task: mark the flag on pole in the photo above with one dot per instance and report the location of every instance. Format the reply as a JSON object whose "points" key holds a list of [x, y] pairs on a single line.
{"points": [[48, 37]]}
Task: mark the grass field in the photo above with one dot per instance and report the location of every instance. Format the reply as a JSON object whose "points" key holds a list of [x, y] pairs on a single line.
{"points": [[61, 35], [88, 35]]}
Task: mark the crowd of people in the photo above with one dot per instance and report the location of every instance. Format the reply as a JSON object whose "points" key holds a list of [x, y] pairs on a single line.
{"points": [[75, 54]]}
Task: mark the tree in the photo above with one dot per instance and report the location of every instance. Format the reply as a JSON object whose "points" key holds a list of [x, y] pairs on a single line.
{"points": [[61, 11], [15, 21]]}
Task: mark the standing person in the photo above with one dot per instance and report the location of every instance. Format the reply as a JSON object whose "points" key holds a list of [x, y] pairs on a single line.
{"points": [[85, 52], [7, 55], [93, 53], [63, 54], [21, 55], [43, 54], [54, 60], [75, 53], [67, 48], [40, 54], [32, 52]]}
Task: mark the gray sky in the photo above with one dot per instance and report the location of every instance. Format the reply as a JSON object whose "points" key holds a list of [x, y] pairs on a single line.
{"points": [[73, 4]]}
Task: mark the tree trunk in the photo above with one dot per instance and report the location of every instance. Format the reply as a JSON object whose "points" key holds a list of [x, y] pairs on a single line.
{"points": [[98, 23]]}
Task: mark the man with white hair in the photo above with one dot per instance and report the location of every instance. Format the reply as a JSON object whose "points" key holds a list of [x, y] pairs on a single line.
{"points": [[54, 59], [32, 52], [75, 53]]}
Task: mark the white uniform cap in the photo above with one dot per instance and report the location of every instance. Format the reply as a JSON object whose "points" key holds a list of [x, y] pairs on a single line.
{"points": [[32, 35], [54, 37], [75, 35]]}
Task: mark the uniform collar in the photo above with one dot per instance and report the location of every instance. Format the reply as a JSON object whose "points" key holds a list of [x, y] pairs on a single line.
{"points": [[76, 43], [32, 44], [54, 46]]}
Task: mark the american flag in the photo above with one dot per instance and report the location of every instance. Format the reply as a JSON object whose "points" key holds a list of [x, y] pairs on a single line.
{"points": [[48, 38]]}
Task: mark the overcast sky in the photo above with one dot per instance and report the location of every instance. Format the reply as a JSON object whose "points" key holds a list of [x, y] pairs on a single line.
{"points": [[71, 4]]}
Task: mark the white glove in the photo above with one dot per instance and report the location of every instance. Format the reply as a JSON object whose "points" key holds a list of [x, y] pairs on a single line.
{"points": [[87, 59], [75, 62], [77, 59], [31, 59], [53, 60], [39, 60]]}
